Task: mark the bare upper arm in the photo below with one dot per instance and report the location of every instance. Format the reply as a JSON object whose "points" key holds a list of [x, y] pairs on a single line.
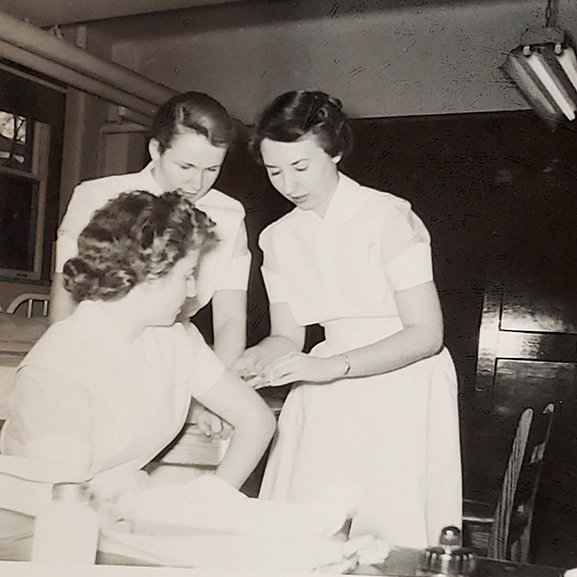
{"points": [[229, 305], [419, 306], [233, 400]]}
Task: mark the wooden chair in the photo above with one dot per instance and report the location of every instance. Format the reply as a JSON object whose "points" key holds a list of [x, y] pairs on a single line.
{"points": [[29, 299], [504, 532]]}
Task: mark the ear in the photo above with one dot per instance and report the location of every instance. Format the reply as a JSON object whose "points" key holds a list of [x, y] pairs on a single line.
{"points": [[154, 149], [337, 158]]}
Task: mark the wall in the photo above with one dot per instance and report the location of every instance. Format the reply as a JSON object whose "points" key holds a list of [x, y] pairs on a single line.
{"points": [[413, 58]]}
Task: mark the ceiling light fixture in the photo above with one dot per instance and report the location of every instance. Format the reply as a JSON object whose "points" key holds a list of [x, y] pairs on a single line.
{"points": [[544, 68]]}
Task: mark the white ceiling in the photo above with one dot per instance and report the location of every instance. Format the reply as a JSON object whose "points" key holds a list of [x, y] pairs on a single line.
{"points": [[49, 12]]}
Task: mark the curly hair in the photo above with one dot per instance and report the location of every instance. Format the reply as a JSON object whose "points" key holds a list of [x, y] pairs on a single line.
{"points": [[300, 113], [193, 111], [135, 237]]}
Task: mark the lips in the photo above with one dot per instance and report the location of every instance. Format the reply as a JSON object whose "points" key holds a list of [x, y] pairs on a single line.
{"points": [[191, 196]]}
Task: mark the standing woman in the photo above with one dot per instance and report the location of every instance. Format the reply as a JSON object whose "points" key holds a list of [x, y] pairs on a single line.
{"points": [[190, 138], [376, 402]]}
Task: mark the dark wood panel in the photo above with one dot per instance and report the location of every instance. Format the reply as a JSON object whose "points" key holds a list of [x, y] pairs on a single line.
{"points": [[537, 346]]}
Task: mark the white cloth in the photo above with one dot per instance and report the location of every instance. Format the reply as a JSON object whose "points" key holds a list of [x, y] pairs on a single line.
{"points": [[87, 395], [210, 504], [226, 266], [396, 434], [207, 523]]}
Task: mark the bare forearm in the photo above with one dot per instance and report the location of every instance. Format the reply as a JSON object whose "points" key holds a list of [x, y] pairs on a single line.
{"points": [[229, 341], [248, 444], [229, 324], [274, 346], [399, 350], [408, 346]]}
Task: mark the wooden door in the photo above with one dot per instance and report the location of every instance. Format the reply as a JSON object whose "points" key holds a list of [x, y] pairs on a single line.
{"points": [[527, 354]]}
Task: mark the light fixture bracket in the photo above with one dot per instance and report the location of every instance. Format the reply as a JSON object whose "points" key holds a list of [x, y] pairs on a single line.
{"points": [[544, 35]]}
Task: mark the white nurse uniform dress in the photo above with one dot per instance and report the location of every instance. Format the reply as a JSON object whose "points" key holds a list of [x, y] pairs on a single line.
{"points": [[395, 435], [225, 267], [87, 395]]}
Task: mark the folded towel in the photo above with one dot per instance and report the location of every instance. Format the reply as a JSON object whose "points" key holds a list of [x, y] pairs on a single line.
{"points": [[247, 552], [208, 503], [207, 523]]}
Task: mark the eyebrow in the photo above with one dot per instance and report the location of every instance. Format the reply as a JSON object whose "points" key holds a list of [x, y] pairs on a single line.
{"points": [[183, 162], [292, 163]]}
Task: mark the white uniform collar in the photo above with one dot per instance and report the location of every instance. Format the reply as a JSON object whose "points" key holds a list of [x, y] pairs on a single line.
{"points": [[347, 198], [148, 182]]}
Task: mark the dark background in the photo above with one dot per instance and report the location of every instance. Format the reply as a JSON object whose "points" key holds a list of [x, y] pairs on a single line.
{"points": [[490, 187]]}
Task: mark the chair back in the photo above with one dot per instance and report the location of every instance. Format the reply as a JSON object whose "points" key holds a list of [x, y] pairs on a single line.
{"points": [[497, 546], [510, 532]]}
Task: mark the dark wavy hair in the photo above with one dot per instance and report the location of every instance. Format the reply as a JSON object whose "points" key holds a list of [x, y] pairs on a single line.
{"points": [[193, 111], [298, 114], [135, 237]]}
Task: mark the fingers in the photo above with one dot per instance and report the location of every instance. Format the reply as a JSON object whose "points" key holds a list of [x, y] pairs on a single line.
{"points": [[210, 424], [226, 430], [284, 367], [215, 425], [204, 426]]}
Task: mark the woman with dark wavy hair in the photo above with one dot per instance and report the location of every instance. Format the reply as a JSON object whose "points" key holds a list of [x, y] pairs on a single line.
{"points": [[375, 403], [110, 386]]}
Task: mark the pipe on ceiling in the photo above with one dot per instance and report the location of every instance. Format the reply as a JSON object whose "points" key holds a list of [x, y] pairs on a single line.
{"points": [[77, 80], [44, 51]]}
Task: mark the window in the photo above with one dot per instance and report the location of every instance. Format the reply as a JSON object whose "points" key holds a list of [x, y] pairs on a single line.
{"points": [[24, 150], [32, 111]]}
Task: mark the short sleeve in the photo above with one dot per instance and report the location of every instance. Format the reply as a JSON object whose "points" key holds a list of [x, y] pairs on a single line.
{"points": [[204, 368], [411, 268], [49, 418], [75, 219], [275, 287], [238, 269], [406, 249]]}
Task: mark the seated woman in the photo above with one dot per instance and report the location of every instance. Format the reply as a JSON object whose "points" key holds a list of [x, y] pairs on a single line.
{"points": [[110, 386]]}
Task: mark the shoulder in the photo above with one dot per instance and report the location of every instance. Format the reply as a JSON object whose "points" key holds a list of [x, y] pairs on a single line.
{"points": [[382, 199], [115, 184], [283, 225], [217, 200], [60, 345], [381, 205]]}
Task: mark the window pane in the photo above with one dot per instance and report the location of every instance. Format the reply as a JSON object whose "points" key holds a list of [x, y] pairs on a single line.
{"points": [[18, 209], [14, 141]]}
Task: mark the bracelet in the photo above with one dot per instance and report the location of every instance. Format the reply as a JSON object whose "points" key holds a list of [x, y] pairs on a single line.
{"points": [[348, 363]]}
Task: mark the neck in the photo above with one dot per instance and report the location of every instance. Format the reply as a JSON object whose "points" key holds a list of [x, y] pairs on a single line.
{"points": [[332, 183], [126, 317]]}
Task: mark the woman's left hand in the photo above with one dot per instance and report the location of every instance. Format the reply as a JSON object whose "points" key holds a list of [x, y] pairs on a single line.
{"points": [[294, 367]]}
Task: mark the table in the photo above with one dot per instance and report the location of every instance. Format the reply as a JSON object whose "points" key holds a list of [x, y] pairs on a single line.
{"points": [[16, 531]]}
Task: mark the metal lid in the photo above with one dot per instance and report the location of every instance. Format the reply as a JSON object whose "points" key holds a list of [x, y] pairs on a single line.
{"points": [[449, 557], [71, 492]]}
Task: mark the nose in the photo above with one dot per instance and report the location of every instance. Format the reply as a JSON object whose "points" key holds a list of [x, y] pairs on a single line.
{"points": [[289, 183], [196, 180], [191, 290]]}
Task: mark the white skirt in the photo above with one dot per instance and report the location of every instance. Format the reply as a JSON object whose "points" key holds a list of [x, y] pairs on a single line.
{"points": [[394, 435]]}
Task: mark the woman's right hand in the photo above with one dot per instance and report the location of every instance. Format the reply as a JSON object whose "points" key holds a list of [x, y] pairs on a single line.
{"points": [[249, 368], [209, 424]]}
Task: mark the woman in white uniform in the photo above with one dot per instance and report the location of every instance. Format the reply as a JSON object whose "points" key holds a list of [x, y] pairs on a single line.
{"points": [[109, 387], [376, 402], [190, 138]]}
